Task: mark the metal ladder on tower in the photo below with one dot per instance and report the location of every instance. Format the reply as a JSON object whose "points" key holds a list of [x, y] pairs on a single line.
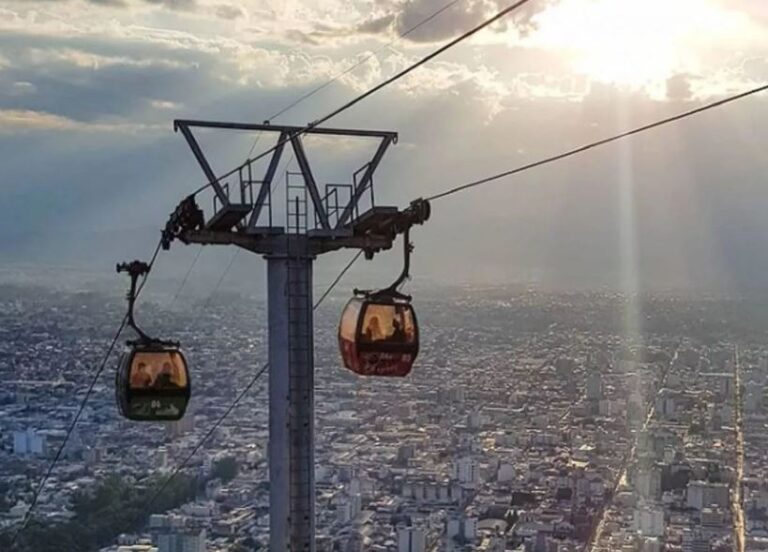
{"points": [[296, 205], [301, 370], [301, 384]]}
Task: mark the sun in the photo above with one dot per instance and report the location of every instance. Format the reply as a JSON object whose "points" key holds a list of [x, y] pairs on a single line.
{"points": [[632, 43]]}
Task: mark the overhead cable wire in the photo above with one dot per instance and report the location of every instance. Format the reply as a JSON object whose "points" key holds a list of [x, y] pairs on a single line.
{"points": [[186, 277], [253, 146], [80, 410], [149, 268], [400, 74], [598, 143], [242, 394], [221, 278], [207, 435], [338, 278]]}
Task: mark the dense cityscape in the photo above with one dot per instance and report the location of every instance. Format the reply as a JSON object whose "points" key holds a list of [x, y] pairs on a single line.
{"points": [[532, 422]]}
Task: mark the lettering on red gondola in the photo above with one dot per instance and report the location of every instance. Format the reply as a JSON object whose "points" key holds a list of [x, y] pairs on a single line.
{"points": [[385, 364]]}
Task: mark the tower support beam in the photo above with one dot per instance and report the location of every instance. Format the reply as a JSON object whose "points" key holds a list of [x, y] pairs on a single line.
{"points": [[291, 402]]}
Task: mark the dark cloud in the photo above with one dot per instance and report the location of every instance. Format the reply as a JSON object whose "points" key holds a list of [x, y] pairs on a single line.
{"points": [[322, 32], [119, 3], [229, 11], [174, 4], [459, 18], [295, 35], [376, 25], [679, 88], [126, 76], [426, 20], [449, 23]]}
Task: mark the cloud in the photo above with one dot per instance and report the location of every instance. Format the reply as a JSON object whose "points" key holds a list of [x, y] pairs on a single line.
{"points": [[165, 105], [38, 57], [137, 72], [460, 17], [422, 21], [84, 80], [171, 4], [229, 11], [112, 3], [174, 4], [376, 25], [757, 9], [13, 121], [17, 88], [301, 37], [544, 85], [756, 68], [679, 88]]}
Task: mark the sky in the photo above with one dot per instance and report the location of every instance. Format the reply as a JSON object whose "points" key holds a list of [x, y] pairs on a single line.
{"points": [[91, 166]]}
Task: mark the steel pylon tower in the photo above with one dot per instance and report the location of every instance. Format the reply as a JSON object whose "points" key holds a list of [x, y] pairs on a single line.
{"points": [[314, 223]]}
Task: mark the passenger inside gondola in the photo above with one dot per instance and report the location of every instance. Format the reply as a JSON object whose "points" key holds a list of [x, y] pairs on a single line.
{"points": [[165, 378], [140, 378], [389, 324], [398, 333], [373, 331]]}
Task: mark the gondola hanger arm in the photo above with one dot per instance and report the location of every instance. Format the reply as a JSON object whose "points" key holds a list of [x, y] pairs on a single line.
{"points": [[136, 269]]}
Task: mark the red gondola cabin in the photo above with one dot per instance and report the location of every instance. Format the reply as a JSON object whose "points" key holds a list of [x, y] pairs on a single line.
{"points": [[379, 336]]}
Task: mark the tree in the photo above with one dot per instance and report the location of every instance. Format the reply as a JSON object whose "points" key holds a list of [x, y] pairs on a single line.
{"points": [[5, 504], [114, 506], [225, 469]]}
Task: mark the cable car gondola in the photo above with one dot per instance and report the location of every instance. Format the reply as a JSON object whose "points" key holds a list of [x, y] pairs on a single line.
{"points": [[378, 332], [153, 381]]}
